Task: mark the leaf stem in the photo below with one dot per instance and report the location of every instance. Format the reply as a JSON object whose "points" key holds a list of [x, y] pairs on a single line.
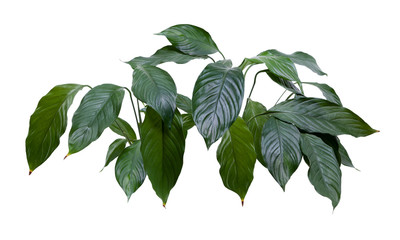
{"points": [[280, 97], [222, 54], [138, 107], [211, 58], [254, 83], [134, 109]]}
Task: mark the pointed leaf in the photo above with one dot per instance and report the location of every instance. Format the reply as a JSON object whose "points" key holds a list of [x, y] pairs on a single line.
{"points": [[155, 87], [122, 128], [280, 144], [187, 121], [129, 170], [324, 172], [327, 91], [319, 115], [217, 99], [184, 103], [97, 111], [255, 124], [162, 151], [48, 123], [236, 156], [114, 150], [163, 55], [288, 85], [344, 156], [190, 39]]}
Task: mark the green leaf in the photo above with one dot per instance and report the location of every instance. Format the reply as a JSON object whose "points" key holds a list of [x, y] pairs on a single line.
{"points": [[129, 170], [114, 150], [280, 144], [319, 115], [217, 99], [344, 156], [187, 121], [236, 156], [288, 85], [155, 87], [162, 151], [122, 128], [97, 111], [190, 39], [163, 55], [184, 103], [48, 123], [327, 91], [324, 172], [255, 124]]}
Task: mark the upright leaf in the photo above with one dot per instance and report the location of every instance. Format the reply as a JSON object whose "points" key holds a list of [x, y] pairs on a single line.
{"points": [[190, 39], [129, 170], [319, 115], [327, 91], [256, 124], [114, 150], [155, 87], [324, 172], [288, 85], [280, 144], [48, 123], [217, 99], [236, 156], [162, 151], [122, 128], [184, 103], [97, 111]]}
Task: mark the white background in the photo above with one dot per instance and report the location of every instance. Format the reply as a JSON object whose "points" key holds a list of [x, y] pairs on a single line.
{"points": [[46, 43]]}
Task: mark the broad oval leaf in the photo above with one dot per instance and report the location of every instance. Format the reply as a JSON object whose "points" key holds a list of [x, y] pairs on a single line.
{"points": [[280, 144], [162, 151], [327, 91], [98, 110], [124, 129], [184, 103], [236, 156], [155, 87], [48, 123], [288, 85], [255, 124], [319, 115], [324, 172], [129, 170], [163, 55], [114, 150], [190, 39], [217, 99]]}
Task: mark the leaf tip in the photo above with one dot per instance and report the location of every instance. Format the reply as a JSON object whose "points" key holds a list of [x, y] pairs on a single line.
{"points": [[377, 131], [164, 205], [67, 155], [242, 202], [30, 171]]}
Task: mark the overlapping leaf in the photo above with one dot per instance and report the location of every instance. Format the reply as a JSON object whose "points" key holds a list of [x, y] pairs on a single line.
{"points": [[327, 91], [344, 156], [122, 128], [115, 149], [288, 85], [184, 103]]}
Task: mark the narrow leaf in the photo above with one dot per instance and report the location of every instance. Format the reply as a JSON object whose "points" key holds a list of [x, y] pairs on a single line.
{"points": [[217, 99], [184, 103], [97, 111], [327, 91], [288, 85], [122, 128], [344, 156], [114, 150], [48, 123]]}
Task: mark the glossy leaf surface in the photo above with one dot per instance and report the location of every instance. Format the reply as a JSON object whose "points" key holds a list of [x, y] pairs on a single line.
{"points": [[236, 156], [115, 149], [129, 170], [288, 85], [162, 151], [124, 129], [327, 91], [48, 123], [344, 156], [184, 103], [98, 110], [217, 99]]}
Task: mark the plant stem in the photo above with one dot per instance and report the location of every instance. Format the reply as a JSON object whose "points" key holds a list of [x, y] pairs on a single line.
{"points": [[134, 110], [138, 107], [211, 58], [280, 97], [254, 83], [222, 55]]}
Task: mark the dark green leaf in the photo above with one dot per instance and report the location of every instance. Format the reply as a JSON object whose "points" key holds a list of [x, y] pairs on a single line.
{"points": [[255, 124], [129, 170], [163, 55], [190, 39], [162, 150], [97, 111], [184, 103], [319, 115], [280, 144], [236, 156], [114, 150], [155, 87], [217, 99], [344, 156], [327, 91], [324, 172], [122, 128], [187, 120], [48, 123], [288, 85]]}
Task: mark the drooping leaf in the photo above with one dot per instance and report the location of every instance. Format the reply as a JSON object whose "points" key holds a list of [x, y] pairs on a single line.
{"points": [[324, 172], [255, 124], [48, 123], [184, 103], [122, 128], [319, 115], [327, 91], [280, 146], [344, 156], [301, 58], [155, 87], [236, 156], [129, 170], [163, 55], [288, 85], [162, 151], [190, 39], [98, 110], [114, 150], [217, 99]]}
